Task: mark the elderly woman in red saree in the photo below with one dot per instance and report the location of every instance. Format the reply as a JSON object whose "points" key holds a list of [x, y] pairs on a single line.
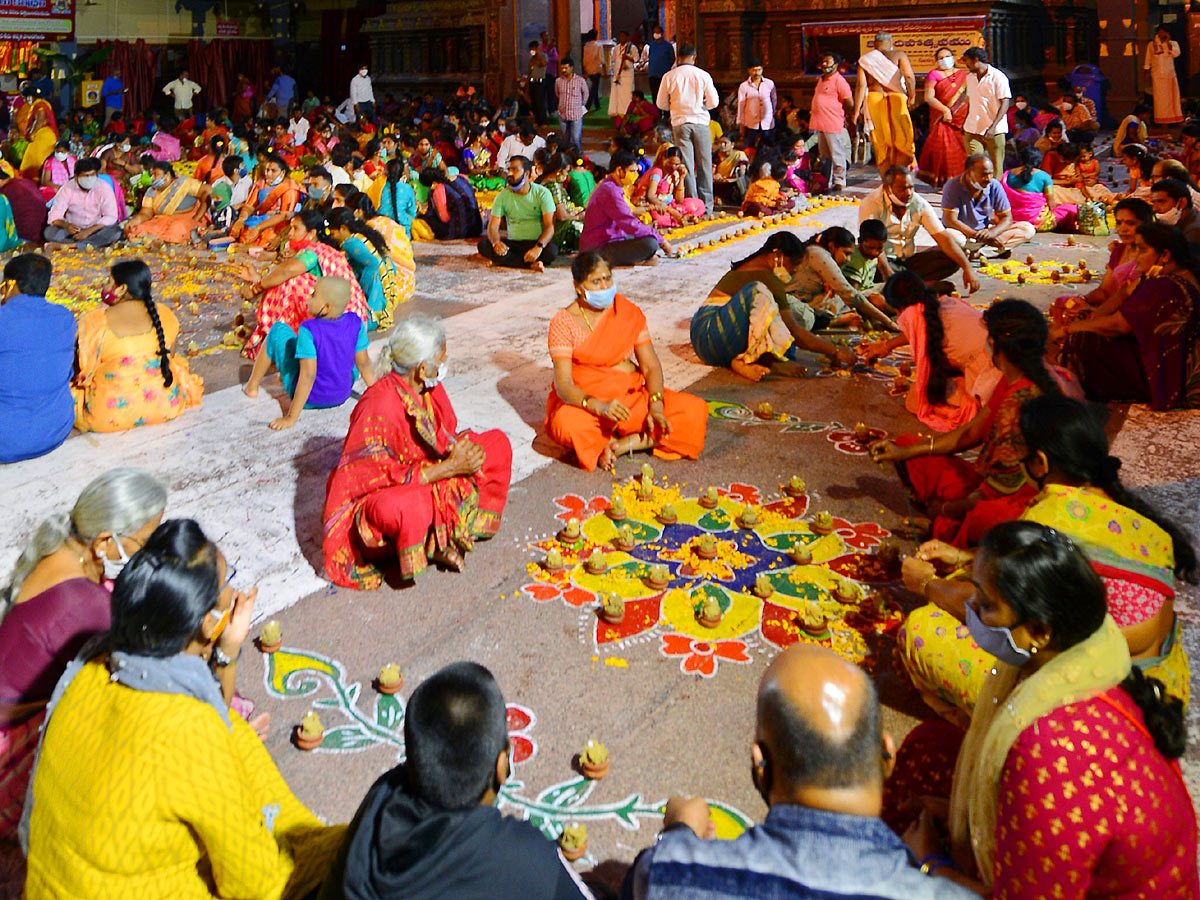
{"points": [[34, 121], [410, 488], [944, 155], [604, 403], [1148, 350], [965, 499], [283, 292], [172, 207], [272, 203]]}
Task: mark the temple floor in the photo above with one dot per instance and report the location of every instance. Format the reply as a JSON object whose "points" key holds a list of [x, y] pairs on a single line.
{"points": [[672, 700]]}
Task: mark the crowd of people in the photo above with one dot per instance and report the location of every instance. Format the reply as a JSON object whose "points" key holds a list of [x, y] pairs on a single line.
{"points": [[1047, 587]]}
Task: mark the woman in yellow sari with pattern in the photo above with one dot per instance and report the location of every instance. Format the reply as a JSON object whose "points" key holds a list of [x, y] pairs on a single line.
{"points": [[34, 122], [399, 247], [1136, 552], [172, 208]]}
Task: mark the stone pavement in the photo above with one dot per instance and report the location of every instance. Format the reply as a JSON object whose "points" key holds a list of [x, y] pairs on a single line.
{"points": [[673, 704]]}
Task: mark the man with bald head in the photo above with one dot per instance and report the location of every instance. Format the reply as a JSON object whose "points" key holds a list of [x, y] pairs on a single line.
{"points": [[819, 761]]}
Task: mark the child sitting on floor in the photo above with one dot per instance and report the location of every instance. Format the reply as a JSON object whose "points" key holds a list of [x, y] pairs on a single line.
{"points": [[318, 364], [763, 196], [1088, 168], [229, 192]]}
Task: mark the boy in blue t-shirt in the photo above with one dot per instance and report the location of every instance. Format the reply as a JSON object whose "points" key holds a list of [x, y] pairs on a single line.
{"points": [[317, 364]]}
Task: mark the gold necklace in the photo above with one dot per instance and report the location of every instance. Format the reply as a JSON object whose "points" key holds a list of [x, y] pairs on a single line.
{"points": [[584, 314]]}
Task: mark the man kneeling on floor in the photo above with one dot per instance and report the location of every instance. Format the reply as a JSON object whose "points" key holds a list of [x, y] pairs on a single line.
{"points": [[819, 761], [977, 213], [430, 828]]}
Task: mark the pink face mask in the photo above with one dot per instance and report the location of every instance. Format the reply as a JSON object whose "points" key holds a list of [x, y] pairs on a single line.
{"points": [[108, 296]]}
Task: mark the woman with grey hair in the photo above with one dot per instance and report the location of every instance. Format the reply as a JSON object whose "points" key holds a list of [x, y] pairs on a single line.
{"points": [[410, 487], [54, 601]]}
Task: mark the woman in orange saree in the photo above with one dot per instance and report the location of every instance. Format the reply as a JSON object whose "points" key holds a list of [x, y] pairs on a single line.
{"points": [[411, 488], [943, 155], [271, 205], [603, 403]]}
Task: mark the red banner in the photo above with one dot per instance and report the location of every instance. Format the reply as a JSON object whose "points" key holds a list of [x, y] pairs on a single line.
{"points": [[37, 20]]}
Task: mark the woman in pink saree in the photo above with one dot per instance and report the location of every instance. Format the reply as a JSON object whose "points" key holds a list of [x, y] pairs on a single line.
{"points": [[943, 156], [1030, 192], [953, 374]]}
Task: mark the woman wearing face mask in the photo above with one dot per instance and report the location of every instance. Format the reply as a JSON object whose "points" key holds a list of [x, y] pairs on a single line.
{"points": [[58, 169], [127, 373], [1148, 350], [1068, 773], [266, 213], [610, 226], [205, 811], [818, 284], [603, 405], [410, 487], [282, 292], [55, 600], [1135, 550], [748, 323], [965, 499], [171, 209], [943, 155]]}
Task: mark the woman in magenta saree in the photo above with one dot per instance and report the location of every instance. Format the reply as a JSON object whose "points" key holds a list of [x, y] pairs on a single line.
{"points": [[1148, 351], [410, 487], [943, 155]]}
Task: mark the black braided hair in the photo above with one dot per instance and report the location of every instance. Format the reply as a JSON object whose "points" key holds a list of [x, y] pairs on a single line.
{"points": [[136, 276], [342, 217], [1162, 713], [1072, 436], [314, 221], [1019, 332], [904, 289]]}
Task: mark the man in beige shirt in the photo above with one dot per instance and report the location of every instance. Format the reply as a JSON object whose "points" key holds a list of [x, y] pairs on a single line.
{"points": [[688, 93]]}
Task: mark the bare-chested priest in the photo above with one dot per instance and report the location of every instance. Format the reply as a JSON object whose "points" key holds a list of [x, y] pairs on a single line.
{"points": [[885, 92]]}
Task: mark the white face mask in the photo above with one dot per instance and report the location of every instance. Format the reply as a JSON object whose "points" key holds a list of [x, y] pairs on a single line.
{"points": [[946, 62], [60, 156], [362, 72], [431, 383], [1171, 217], [86, 182], [113, 567], [125, 148], [1021, 104]]}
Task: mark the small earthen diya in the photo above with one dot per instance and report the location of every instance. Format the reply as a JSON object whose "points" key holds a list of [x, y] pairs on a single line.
{"points": [[822, 523], [553, 562], [573, 842], [814, 624], [624, 540], [271, 638], [748, 518], [616, 510], [667, 515], [646, 488], [762, 586], [795, 487], [310, 732], [658, 576], [705, 547], [800, 555], [612, 609], [710, 613], [596, 564], [847, 592], [710, 498], [390, 681], [765, 411], [861, 432], [1029, 260], [593, 761], [571, 533]]}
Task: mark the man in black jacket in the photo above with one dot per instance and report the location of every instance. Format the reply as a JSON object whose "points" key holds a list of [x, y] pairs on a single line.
{"points": [[429, 828]]}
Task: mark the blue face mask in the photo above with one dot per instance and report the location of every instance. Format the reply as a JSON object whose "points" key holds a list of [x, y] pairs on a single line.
{"points": [[996, 640], [601, 299]]}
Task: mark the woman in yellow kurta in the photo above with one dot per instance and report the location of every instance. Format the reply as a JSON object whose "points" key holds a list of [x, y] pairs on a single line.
{"points": [[128, 375], [1136, 552], [34, 121], [146, 784], [172, 208]]}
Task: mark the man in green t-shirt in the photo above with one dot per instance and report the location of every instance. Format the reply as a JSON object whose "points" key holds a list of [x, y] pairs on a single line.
{"points": [[527, 210]]}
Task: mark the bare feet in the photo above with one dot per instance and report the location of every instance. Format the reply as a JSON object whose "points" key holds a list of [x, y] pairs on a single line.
{"points": [[652, 261], [538, 266], [914, 528], [749, 371], [608, 458], [250, 390], [450, 559], [54, 245], [261, 725]]}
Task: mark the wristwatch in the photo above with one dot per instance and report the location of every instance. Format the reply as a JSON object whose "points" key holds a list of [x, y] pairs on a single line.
{"points": [[220, 659]]}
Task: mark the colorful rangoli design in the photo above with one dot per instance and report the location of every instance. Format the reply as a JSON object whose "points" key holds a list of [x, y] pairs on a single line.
{"points": [[777, 581], [294, 674]]}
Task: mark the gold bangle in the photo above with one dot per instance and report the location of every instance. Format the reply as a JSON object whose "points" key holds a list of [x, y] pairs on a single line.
{"points": [[930, 453], [656, 396], [584, 404]]}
